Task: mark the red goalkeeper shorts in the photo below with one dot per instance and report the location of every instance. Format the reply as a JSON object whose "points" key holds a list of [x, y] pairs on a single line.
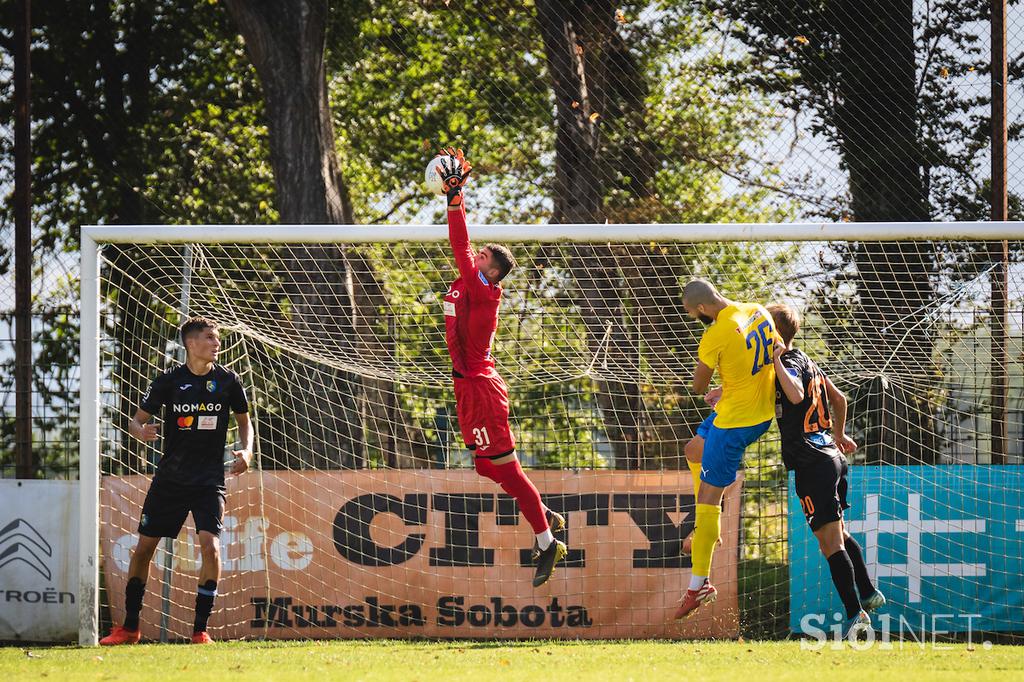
{"points": [[481, 404]]}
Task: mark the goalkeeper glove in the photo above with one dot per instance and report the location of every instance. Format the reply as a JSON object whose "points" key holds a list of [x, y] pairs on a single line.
{"points": [[454, 170]]}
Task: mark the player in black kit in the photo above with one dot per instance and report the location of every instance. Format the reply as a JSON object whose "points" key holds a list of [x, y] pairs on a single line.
{"points": [[803, 398], [196, 398]]}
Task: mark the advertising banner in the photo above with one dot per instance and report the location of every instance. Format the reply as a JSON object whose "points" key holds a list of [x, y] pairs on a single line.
{"points": [[433, 553], [945, 544], [38, 561]]}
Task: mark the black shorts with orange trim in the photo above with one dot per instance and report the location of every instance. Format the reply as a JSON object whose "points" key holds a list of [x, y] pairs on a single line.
{"points": [[821, 488]]}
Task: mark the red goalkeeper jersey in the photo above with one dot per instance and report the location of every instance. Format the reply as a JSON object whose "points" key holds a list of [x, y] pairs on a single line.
{"points": [[470, 307]]}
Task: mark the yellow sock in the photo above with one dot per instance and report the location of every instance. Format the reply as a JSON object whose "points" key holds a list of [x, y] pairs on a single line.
{"points": [[705, 535], [695, 472]]}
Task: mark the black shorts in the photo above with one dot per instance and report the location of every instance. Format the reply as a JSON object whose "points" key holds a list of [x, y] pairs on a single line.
{"points": [[168, 503], [821, 488]]}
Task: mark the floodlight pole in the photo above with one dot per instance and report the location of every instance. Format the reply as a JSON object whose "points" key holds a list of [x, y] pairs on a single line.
{"points": [[999, 251], [25, 462]]}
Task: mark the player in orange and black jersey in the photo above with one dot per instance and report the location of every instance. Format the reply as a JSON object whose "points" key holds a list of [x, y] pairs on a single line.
{"points": [[197, 398], [813, 445]]}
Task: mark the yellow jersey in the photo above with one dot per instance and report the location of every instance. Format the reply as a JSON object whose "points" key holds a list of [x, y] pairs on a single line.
{"points": [[740, 345]]}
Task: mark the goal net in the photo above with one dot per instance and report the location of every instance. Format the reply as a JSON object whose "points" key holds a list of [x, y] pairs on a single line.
{"points": [[362, 515]]}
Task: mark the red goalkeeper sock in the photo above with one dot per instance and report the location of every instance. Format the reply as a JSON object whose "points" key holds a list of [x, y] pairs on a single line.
{"points": [[512, 479]]}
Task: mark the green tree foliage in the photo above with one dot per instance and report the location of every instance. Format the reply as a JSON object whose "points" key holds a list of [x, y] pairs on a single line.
{"points": [[886, 84], [143, 112], [407, 81], [150, 112]]}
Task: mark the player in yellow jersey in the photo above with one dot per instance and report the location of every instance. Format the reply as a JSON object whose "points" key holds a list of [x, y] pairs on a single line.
{"points": [[739, 343]]}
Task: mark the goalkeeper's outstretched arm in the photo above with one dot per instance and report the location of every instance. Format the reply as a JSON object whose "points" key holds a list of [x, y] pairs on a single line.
{"points": [[454, 170]]}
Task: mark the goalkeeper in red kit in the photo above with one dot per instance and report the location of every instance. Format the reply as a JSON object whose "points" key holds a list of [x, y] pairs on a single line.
{"points": [[481, 397]]}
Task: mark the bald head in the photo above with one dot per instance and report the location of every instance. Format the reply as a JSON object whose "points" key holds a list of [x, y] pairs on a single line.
{"points": [[702, 300], [700, 292]]}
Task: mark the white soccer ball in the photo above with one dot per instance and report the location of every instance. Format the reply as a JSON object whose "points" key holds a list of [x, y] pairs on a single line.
{"points": [[430, 177]]}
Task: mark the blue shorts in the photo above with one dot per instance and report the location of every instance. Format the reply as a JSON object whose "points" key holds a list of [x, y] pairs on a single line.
{"points": [[723, 452], [705, 425]]}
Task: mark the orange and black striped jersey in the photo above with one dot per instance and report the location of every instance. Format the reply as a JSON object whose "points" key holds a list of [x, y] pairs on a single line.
{"points": [[804, 427]]}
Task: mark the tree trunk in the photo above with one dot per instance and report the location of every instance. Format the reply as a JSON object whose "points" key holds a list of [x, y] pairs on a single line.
{"points": [[285, 40], [127, 88], [877, 125], [596, 83]]}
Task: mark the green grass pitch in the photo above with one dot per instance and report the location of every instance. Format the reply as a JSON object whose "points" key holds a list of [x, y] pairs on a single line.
{"points": [[538, 661]]}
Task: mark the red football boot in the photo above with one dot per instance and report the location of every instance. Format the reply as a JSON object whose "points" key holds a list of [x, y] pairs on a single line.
{"points": [[705, 594], [201, 638], [120, 635]]}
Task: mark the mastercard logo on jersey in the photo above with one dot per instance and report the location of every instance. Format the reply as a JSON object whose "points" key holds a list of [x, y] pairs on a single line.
{"points": [[185, 422]]}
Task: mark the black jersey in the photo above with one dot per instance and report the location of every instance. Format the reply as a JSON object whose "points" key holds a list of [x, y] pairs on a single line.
{"points": [[804, 427], [196, 414]]}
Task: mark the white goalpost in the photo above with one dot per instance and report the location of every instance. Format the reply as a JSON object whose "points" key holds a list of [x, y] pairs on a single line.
{"points": [[362, 515]]}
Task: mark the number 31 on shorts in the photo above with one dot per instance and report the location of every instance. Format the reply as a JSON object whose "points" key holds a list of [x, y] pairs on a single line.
{"points": [[481, 436]]}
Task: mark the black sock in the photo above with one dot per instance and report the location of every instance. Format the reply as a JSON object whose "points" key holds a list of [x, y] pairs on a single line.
{"points": [[133, 603], [842, 575], [204, 604], [860, 569]]}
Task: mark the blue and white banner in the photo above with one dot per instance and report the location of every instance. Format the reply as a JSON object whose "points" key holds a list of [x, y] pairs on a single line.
{"points": [[945, 544]]}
